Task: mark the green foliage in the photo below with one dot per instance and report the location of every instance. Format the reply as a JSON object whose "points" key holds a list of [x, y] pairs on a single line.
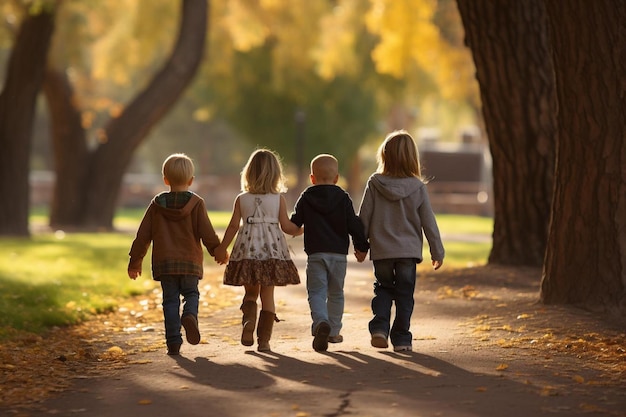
{"points": [[264, 62], [55, 280], [339, 113]]}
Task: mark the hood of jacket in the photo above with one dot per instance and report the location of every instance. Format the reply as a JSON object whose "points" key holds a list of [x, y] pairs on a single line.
{"points": [[323, 198], [394, 188], [179, 213]]}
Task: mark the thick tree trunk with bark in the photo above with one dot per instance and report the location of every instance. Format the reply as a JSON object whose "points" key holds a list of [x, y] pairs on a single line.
{"points": [[586, 255], [17, 112], [511, 50], [68, 138], [105, 166]]}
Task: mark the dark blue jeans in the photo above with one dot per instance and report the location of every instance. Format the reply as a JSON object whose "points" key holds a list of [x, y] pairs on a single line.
{"points": [[175, 286], [395, 282]]}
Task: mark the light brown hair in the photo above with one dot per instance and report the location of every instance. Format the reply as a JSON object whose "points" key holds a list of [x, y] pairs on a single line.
{"points": [[263, 173], [398, 156], [325, 168], [178, 169]]}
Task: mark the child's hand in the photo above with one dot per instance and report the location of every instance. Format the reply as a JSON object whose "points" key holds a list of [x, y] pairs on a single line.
{"points": [[437, 264], [222, 260], [360, 256], [134, 273], [300, 231], [221, 255]]}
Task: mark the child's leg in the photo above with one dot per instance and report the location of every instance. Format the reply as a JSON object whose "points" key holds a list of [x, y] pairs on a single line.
{"points": [[317, 289], [383, 297], [190, 293], [404, 289], [336, 277], [252, 292], [267, 299], [191, 296], [171, 310]]}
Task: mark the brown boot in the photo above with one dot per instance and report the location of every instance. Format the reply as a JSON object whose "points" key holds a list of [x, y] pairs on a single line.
{"points": [[248, 322], [264, 331]]}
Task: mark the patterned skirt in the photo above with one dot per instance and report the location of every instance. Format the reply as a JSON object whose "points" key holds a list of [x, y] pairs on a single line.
{"points": [[267, 272]]}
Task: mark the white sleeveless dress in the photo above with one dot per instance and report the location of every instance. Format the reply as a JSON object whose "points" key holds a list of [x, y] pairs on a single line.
{"points": [[260, 254]]}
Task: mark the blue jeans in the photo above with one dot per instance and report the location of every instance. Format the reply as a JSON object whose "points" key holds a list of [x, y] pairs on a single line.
{"points": [[175, 286], [325, 275], [395, 282]]}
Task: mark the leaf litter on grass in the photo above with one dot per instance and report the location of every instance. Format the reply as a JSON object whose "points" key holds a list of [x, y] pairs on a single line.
{"points": [[579, 349], [35, 367]]}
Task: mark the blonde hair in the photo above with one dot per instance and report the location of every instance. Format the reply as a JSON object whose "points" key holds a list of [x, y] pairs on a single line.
{"points": [[325, 167], [263, 173], [398, 156], [178, 169]]}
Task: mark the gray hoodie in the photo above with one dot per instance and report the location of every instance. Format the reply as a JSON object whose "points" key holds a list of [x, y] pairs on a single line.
{"points": [[396, 214]]}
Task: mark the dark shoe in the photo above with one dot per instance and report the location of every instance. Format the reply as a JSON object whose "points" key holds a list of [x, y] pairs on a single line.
{"points": [[173, 349], [335, 339], [379, 340], [190, 323], [320, 341]]}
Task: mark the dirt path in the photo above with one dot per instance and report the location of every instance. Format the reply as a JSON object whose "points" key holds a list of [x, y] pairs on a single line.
{"points": [[482, 347]]}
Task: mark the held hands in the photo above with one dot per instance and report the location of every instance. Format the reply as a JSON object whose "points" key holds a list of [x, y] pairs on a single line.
{"points": [[360, 256], [437, 264], [221, 255]]}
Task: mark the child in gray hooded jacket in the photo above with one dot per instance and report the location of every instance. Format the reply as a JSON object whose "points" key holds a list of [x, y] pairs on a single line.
{"points": [[396, 214]]}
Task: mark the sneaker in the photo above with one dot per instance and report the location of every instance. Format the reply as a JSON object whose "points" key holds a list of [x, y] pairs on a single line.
{"points": [[407, 348], [173, 349], [320, 341], [335, 339], [379, 340], [190, 323]]}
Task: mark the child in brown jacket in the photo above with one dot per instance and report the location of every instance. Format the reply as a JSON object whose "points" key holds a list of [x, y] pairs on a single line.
{"points": [[176, 223]]}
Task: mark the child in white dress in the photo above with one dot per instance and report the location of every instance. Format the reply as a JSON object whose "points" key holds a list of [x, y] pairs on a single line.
{"points": [[260, 257]]}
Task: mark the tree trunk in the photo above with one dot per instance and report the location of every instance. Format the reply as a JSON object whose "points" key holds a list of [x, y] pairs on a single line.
{"points": [[105, 166], [511, 50], [586, 255], [68, 138], [17, 112]]}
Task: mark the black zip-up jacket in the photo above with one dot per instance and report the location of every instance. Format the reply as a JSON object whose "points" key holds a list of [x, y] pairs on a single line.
{"points": [[327, 213]]}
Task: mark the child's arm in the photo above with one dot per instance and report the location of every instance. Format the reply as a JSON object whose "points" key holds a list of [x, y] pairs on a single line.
{"points": [[286, 225], [221, 252], [431, 231], [357, 231], [140, 245], [205, 228]]}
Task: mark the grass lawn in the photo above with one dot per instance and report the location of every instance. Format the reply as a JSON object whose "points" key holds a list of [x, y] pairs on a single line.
{"points": [[56, 279], [53, 280]]}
